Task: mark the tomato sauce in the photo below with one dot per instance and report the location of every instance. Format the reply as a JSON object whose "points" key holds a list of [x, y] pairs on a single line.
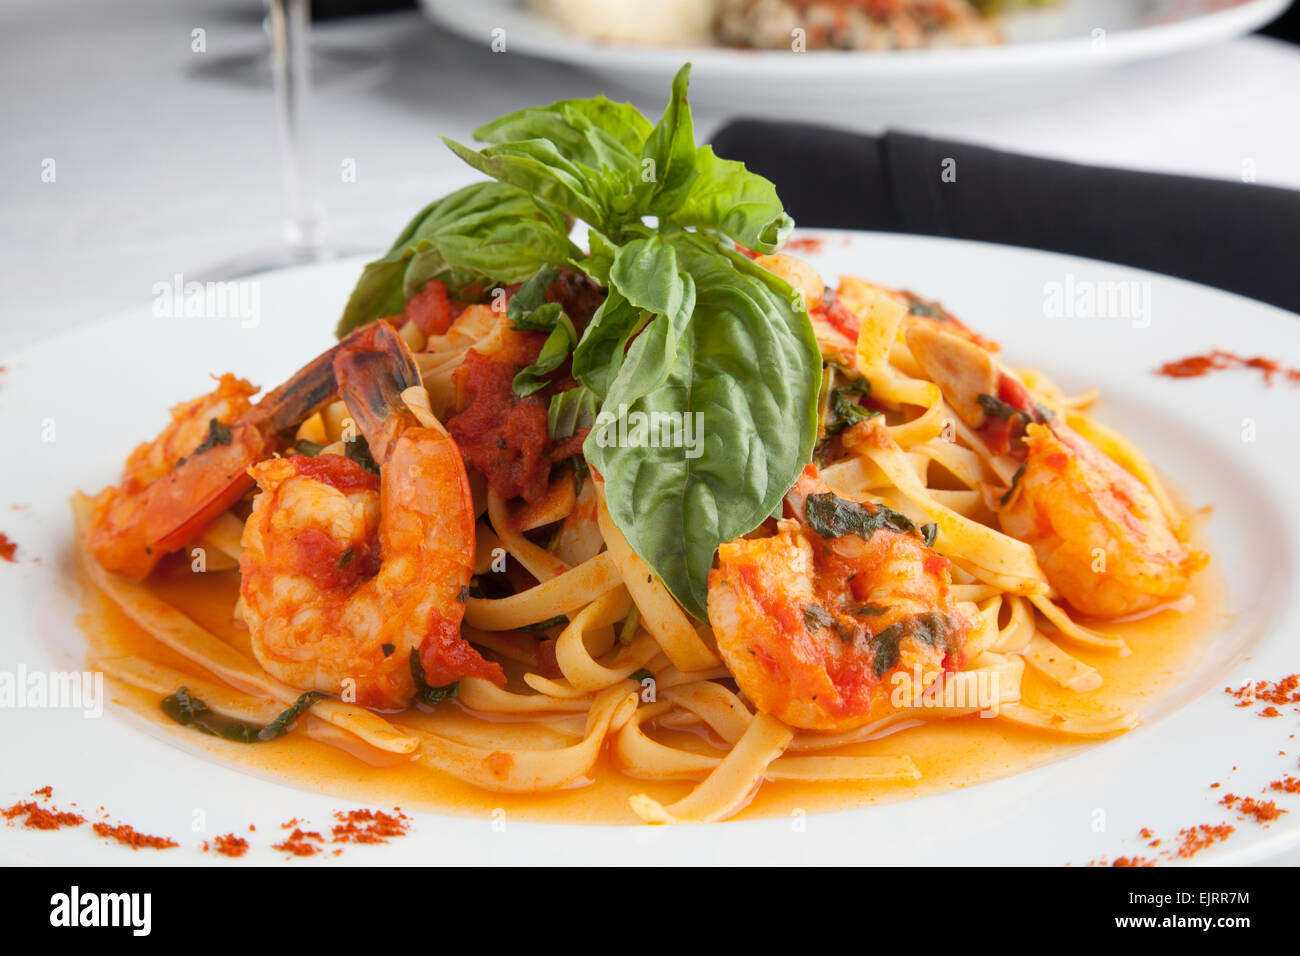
{"points": [[504, 436], [431, 309]]}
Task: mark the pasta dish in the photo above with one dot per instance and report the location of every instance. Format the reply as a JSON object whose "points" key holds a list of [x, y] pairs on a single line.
{"points": [[669, 508]]}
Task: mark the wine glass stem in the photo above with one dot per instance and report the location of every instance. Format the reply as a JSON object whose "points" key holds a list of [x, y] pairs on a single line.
{"points": [[290, 26]]}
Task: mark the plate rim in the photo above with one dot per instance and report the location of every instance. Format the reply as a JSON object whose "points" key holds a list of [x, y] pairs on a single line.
{"points": [[1052, 55], [1252, 850]]}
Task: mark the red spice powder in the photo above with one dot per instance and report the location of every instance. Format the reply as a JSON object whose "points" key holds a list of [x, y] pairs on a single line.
{"points": [[7, 548], [369, 826], [39, 818], [1195, 839], [1286, 785], [1194, 366], [230, 845], [127, 836], [1285, 691], [1133, 861], [299, 843], [46, 791], [1270, 711], [1262, 811]]}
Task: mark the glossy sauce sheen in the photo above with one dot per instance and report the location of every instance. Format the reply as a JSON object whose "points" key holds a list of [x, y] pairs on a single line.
{"points": [[950, 753]]}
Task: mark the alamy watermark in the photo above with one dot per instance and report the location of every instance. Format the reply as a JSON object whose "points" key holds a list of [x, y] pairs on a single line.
{"points": [[979, 690], [179, 299], [53, 690], [638, 429], [1075, 298]]}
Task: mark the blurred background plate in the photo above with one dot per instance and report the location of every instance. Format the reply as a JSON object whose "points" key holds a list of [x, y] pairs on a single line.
{"points": [[1046, 49]]}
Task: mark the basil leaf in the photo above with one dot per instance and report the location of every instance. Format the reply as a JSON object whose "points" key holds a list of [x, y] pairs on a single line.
{"points": [[554, 351], [531, 295], [834, 517], [570, 411], [483, 234], [669, 153], [645, 272], [538, 167], [595, 132], [601, 258], [729, 198], [601, 353], [747, 371]]}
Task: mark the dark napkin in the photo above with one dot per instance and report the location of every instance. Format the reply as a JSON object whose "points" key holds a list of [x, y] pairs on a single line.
{"points": [[1242, 237]]}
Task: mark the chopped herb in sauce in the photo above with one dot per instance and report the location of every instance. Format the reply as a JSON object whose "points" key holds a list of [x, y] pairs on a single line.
{"points": [[190, 711], [308, 449], [218, 434], [815, 617], [640, 675], [546, 625], [833, 517], [358, 451], [996, 408], [924, 307], [430, 695], [932, 628], [1015, 480]]}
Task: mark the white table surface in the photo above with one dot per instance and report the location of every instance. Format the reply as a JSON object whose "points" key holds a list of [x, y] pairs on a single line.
{"points": [[161, 169]]}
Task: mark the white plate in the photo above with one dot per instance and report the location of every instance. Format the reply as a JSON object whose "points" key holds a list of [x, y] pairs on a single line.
{"points": [[1046, 49], [103, 387]]}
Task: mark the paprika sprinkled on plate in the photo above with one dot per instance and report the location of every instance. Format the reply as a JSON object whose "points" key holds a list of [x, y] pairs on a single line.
{"points": [[1195, 366]]}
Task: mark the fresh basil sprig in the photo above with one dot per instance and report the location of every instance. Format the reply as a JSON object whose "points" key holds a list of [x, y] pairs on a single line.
{"points": [[601, 163], [691, 332], [529, 310], [744, 377], [481, 235]]}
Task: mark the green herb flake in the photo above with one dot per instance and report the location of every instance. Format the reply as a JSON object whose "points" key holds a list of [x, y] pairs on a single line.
{"points": [[190, 711], [1015, 480], [430, 695], [931, 628], [218, 434], [358, 450], [546, 625], [833, 517]]}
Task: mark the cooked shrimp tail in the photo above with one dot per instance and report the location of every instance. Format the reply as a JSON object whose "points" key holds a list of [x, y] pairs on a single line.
{"points": [[197, 468], [372, 373], [347, 578], [1101, 536]]}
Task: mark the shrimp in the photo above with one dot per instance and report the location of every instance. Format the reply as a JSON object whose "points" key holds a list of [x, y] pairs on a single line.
{"points": [[816, 625], [1100, 535], [349, 579], [173, 487]]}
